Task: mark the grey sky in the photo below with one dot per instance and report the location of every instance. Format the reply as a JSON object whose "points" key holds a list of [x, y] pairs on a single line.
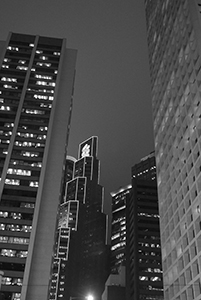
{"points": [[112, 92]]}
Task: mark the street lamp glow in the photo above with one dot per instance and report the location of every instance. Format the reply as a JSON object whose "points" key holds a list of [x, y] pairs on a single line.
{"points": [[89, 297]]}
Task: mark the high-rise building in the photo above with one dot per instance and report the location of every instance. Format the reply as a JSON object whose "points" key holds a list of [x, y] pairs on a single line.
{"points": [[36, 87], [81, 257], [174, 44], [115, 286], [118, 228], [143, 250]]}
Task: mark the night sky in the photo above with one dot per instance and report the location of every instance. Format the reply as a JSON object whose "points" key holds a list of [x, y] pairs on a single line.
{"points": [[112, 98]]}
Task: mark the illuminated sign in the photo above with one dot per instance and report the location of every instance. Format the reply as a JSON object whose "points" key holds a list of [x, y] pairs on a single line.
{"points": [[85, 150], [88, 147]]}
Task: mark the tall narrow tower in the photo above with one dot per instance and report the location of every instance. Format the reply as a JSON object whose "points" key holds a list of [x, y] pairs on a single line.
{"points": [[174, 42], [81, 263], [143, 248], [36, 86]]}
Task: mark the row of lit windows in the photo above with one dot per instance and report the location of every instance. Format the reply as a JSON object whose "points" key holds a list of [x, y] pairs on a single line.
{"points": [[19, 172], [14, 240], [121, 244], [35, 89], [148, 245], [13, 215], [5, 107], [148, 215], [146, 278], [43, 76], [15, 227], [11, 281], [33, 135], [33, 111], [29, 144], [43, 97], [9, 79], [45, 83], [17, 182], [153, 270], [26, 163]]}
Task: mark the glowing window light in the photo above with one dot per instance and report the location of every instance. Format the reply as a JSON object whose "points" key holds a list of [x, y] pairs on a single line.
{"points": [[12, 181], [5, 108], [33, 183], [13, 48], [19, 172], [5, 66], [22, 68]]}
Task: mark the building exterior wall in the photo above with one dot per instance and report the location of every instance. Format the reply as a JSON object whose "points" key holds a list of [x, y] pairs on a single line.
{"points": [[174, 44], [82, 267], [118, 228], [143, 249], [36, 75]]}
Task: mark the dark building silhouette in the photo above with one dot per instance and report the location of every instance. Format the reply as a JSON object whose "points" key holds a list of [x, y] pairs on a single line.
{"points": [[118, 228], [143, 250], [81, 266], [36, 86]]}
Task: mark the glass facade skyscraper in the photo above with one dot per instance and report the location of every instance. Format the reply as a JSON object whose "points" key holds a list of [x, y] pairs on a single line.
{"points": [[36, 87], [174, 44]]}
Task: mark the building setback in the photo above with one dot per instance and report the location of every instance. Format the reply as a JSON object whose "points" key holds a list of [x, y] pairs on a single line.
{"points": [[174, 44], [81, 264], [36, 86], [143, 251]]}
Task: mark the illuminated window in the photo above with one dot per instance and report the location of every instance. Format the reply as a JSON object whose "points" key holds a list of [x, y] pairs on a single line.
{"points": [[3, 214], [43, 97], [143, 278], [6, 280], [19, 172], [13, 48], [22, 68], [40, 64], [9, 125], [16, 296], [5, 66], [43, 57], [30, 154], [33, 183], [22, 61], [22, 254], [34, 111], [7, 86], [27, 205], [56, 53], [12, 181], [26, 228], [2, 226], [43, 76], [31, 45], [5, 107], [15, 215], [8, 252], [9, 79]]}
